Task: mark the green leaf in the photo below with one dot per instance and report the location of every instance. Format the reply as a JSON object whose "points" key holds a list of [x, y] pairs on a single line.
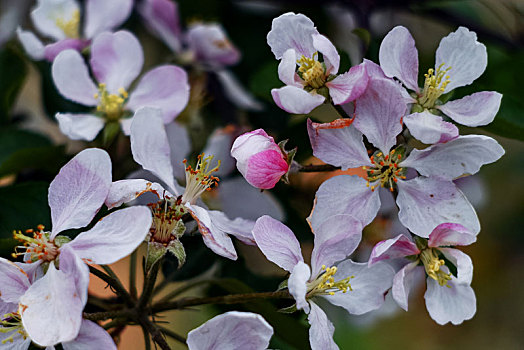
{"points": [[265, 79], [12, 75]]}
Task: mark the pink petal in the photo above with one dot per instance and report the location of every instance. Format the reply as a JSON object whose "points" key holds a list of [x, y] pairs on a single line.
{"points": [[393, 248], [80, 126], [161, 17], [292, 31], [297, 285], [211, 46], [294, 100], [166, 88], [249, 144], [103, 15], [328, 51], [348, 86], [338, 143], [79, 190], [72, 79], [91, 336], [277, 242], [13, 281], [321, 331], [116, 59], [265, 169], [403, 282], [52, 50], [430, 128], [450, 235], [473, 110], [399, 57], [33, 47]]}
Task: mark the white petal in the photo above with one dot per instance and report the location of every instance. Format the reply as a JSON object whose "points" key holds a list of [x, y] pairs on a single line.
{"points": [[13, 281], [430, 128], [321, 331], [473, 110], [403, 283], [239, 227], [125, 191], [31, 44], [91, 336], [294, 100], [287, 69], [47, 14], [236, 93], [297, 285], [80, 126], [180, 145], [393, 248], [103, 15], [463, 263], [292, 31]]}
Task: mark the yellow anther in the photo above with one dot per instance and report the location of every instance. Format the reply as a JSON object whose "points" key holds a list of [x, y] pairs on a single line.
{"points": [[312, 71], [200, 179], [385, 170], [70, 27], [434, 86], [325, 284], [111, 105], [432, 266]]}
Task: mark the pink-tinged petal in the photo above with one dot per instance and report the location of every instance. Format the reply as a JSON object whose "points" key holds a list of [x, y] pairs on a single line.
{"points": [[375, 72], [335, 239], [348, 86], [239, 227], [345, 194], [265, 169], [211, 46], [116, 59], [52, 50], [232, 330], [403, 282], [369, 286], [13, 281], [79, 190], [75, 269], [476, 109], [161, 17], [236, 93], [378, 113], [277, 242], [249, 144], [328, 51], [150, 146], [239, 199], [393, 248], [287, 69], [292, 31], [463, 263], [399, 57], [430, 128], [80, 126], [103, 15], [214, 238], [321, 331], [72, 79], [450, 235], [125, 191], [463, 155], [297, 285], [426, 203], [33, 47], [51, 309], [114, 237], [462, 52], [32, 270], [338, 143], [166, 88], [91, 336], [294, 100], [180, 145], [456, 304], [47, 14]]}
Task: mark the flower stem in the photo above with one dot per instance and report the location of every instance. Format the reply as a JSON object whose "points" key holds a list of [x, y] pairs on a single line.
{"points": [[132, 275], [149, 285], [173, 335]]}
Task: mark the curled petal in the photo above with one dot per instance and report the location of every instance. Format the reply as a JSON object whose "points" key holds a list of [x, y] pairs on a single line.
{"points": [[450, 235], [430, 128], [348, 86], [80, 126], [393, 248], [463, 263], [473, 110], [297, 285], [292, 31], [328, 51], [125, 191], [403, 282], [287, 69], [294, 100]]}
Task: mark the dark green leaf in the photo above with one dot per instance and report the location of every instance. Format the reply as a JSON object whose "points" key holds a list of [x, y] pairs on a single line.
{"points": [[12, 74]]}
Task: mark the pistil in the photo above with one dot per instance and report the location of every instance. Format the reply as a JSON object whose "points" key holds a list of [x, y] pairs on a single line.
{"points": [[312, 71], [384, 170], [71, 27]]}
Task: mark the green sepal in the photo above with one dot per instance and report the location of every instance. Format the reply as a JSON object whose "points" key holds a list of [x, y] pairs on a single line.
{"points": [[282, 286], [289, 310], [61, 240], [111, 130], [176, 248], [155, 252], [289, 156], [422, 243], [323, 91], [180, 229], [416, 108]]}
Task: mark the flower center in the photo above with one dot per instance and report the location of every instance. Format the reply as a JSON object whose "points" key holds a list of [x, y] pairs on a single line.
{"points": [[111, 105], [70, 28], [167, 224], [385, 170], [432, 265], [199, 179], [312, 71], [434, 86], [325, 284], [38, 247], [12, 323]]}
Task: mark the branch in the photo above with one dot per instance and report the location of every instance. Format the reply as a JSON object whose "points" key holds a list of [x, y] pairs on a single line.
{"points": [[114, 283]]}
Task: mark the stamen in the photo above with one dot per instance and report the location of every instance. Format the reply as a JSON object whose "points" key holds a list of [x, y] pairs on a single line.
{"points": [[38, 247], [166, 219], [199, 179], [325, 284], [111, 105], [432, 265], [434, 86], [385, 170], [12, 323], [71, 27], [312, 71]]}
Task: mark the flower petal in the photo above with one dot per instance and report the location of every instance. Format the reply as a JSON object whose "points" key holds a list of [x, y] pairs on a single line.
{"points": [[103, 15], [165, 87], [264, 169], [378, 113], [239, 227], [476, 109], [345, 194], [52, 50], [463, 263], [328, 51], [450, 235], [292, 31], [393, 248], [150, 146], [80, 126], [116, 59], [180, 144], [211, 46], [287, 69], [297, 285], [47, 14], [369, 286], [79, 190], [338, 143], [462, 52], [336, 238], [219, 146], [124, 191], [72, 79], [114, 237], [76, 269], [348, 86], [161, 17], [403, 282], [426, 203], [232, 330], [14, 281], [277, 242], [430, 128], [463, 155], [91, 336], [33, 47], [399, 57], [51, 309], [294, 100], [321, 331], [455, 304]]}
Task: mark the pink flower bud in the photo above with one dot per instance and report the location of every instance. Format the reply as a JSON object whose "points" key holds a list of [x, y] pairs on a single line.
{"points": [[259, 159]]}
